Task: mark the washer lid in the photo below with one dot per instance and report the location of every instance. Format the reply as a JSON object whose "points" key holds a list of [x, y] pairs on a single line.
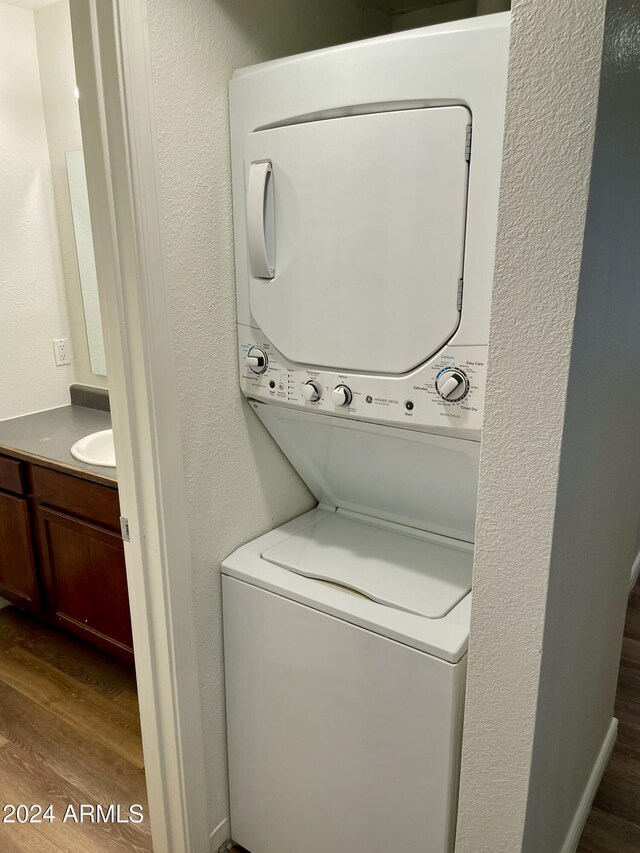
{"points": [[355, 232], [412, 571]]}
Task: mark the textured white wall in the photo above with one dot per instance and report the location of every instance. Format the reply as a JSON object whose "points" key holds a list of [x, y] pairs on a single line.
{"points": [[33, 309], [58, 81], [560, 472], [599, 477], [238, 483]]}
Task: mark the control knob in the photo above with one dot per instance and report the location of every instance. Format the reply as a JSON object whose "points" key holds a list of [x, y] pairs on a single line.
{"points": [[341, 395], [256, 360], [452, 384], [311, 391]]}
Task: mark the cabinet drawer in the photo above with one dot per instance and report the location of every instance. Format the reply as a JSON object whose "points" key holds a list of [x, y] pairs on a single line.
{"points": [[11, 479], [77, 497]]}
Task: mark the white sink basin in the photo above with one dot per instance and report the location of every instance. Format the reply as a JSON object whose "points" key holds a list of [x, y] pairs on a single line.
{"points": [[96, 449]]}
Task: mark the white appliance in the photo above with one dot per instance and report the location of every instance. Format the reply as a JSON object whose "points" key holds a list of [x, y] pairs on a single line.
{"points": [[365, 189]]}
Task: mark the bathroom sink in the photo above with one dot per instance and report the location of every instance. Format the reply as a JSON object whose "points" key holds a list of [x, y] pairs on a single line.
{"points": [[96, 449]]}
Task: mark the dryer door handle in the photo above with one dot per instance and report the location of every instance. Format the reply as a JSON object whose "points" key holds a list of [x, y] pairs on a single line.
{"points": [[261, 220]]}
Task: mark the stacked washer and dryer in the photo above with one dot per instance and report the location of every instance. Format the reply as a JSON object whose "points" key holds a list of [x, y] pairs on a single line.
{"points": [[365, 189]]}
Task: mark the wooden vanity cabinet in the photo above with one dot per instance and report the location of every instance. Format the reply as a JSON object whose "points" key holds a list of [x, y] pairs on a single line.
{"points": [[18, 582], [62, 555]]}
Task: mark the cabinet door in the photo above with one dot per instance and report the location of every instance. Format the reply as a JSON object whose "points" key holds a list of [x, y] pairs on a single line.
{"points": [[85, 580], [17, 568]]}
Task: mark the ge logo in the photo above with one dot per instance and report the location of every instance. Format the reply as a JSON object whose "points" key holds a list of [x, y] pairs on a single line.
{"points": [[369, 399]]}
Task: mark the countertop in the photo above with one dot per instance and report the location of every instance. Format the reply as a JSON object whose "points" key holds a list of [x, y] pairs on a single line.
{"points": [[45, 438]]}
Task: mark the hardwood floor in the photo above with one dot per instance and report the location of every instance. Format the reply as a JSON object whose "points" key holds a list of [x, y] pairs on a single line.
{"points": [[69, 735], [614, 821]]}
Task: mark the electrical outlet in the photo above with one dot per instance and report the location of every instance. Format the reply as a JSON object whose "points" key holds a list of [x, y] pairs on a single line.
{"points": [[62, 351]]}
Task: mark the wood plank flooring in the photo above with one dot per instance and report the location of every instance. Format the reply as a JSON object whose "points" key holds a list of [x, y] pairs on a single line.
{"points": [[614, 821], [69, 735], [613, 825]]}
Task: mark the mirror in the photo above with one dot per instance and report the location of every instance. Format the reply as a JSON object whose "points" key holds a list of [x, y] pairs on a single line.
{"points": [[79, 197]]}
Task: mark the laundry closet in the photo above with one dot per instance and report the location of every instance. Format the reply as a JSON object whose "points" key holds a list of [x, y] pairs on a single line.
{"points": [[365, 190]]}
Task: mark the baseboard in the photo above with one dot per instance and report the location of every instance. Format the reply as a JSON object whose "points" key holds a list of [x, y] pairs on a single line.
{"points": [[220, 838], [582, 812], [635, 572]]}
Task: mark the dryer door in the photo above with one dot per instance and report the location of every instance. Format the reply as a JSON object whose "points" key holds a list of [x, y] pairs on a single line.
{"points": [[355, 236]]}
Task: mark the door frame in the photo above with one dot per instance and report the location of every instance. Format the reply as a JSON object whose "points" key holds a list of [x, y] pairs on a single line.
{"points": [[113, 71]]}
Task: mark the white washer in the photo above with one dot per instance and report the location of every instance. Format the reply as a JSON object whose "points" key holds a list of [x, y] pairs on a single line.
{"points": [[345, 647], [365, 186]]}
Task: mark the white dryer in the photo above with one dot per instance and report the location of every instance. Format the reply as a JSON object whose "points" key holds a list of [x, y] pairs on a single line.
{"points": [[365, 181]]}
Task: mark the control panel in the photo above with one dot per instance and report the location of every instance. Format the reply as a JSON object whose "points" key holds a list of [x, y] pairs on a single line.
{"points": [[444, 395]]}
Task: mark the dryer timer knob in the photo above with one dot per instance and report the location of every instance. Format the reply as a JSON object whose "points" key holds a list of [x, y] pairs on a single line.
{"points": [[256, 360], [341, 395], [452, 384]]}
